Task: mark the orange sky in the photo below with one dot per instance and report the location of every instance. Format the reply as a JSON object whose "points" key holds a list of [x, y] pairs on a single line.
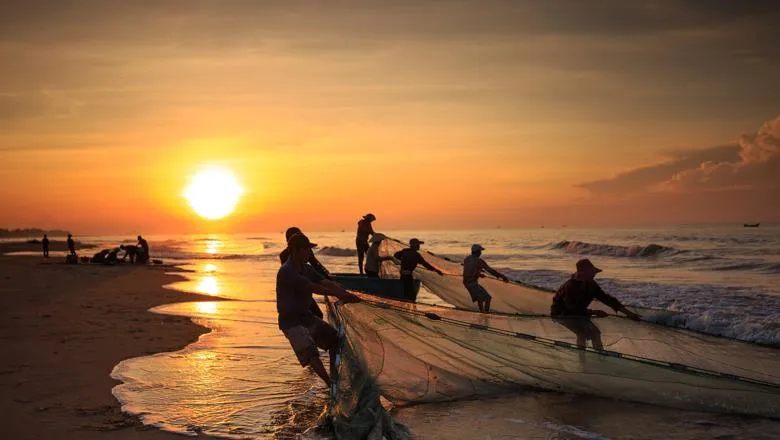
{"points": [[431, 115]]}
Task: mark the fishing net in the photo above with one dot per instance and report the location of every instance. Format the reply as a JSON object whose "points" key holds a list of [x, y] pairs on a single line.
{"points": [[413, 353]]}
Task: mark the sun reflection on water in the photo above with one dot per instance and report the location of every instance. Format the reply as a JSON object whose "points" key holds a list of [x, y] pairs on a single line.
{"points": [[207, 307], [208, 285], [213, 245]]}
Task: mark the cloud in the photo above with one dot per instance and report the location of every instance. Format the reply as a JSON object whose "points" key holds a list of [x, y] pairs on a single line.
{"points": [[758, 166], [753, 163]]}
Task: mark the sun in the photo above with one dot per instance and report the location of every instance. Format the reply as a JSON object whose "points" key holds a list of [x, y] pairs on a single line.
{"points": [[213, 193]]}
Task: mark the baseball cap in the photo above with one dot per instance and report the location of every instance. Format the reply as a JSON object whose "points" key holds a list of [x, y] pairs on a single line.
{"points": [[476, 247], [415, 241]]}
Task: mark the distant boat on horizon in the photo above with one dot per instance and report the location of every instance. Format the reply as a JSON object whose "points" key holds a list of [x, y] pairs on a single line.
{"points": [[751, 225]]}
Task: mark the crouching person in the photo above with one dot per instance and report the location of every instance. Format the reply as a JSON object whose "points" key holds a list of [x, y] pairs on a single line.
{"points": [[296, 281]]}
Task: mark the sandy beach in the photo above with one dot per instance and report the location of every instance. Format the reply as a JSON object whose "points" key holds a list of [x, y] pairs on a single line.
{"points": [[64, 327]]}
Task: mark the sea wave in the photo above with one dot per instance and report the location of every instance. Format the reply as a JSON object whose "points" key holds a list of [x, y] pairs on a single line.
{"points": [[581, 247], [335, 251], [757, 266]]}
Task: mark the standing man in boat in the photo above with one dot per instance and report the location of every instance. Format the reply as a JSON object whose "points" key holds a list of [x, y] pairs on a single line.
{"points": [[576, 294], [296, 281], [473, 266], [364, 229], [410, 258]]}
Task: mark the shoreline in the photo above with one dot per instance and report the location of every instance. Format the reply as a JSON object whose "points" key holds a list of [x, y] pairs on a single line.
{"points": [[64, 329]]}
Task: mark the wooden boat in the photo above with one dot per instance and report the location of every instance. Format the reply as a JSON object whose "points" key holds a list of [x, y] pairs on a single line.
{"points": [[383, 287]]}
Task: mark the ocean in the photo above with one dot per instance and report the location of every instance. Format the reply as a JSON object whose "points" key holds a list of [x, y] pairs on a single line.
{"points": [[241, 380]]}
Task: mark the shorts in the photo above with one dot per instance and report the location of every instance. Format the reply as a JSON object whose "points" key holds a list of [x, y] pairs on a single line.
{"points": [[478, 293], [306, 340]]}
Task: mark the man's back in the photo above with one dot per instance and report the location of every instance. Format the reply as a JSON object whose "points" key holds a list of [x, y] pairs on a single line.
{"points": [[472, 268], [293, 297]]}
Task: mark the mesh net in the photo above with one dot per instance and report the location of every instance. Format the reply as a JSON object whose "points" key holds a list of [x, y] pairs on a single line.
{"points": [[414, 353]]}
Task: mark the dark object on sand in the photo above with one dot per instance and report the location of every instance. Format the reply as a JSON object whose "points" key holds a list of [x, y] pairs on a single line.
{"points": [[84, 259], [71, 259], [157, 261], [34, 241], [751, 225]]}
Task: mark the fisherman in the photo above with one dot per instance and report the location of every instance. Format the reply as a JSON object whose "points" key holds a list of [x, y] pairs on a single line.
{"points": [[373, 260], [143, 254], [576, 294], [313, 261], [473, 265], [364, 229], [295, 283], [45, 244], [410, 258], [131, 251], [71, 245]]}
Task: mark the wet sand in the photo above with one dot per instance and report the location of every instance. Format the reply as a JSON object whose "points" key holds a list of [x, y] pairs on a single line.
{"points": [[62, 330]]}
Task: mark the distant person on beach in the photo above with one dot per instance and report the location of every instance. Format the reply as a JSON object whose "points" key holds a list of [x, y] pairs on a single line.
{"points": [[142, 255], [112, 256], [100, 257], [45, 244], [576, 294], [313, 261], [473, 266], [71, 245], [131, 251], [296, 281], [364, 229], [373, 260], [410, 258]]}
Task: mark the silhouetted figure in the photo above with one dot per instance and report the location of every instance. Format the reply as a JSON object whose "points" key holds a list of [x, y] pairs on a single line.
{"points": [[131, 251], [313, 261], [296, 281], [71, 245], [373, 260], [473, 266], [100, 257], [112, 257], [45, 245], [576, 294], [364, 229], [410, 258], [142, 255]]}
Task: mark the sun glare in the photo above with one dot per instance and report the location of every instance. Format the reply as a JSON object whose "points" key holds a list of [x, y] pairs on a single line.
{"points": [[213, 193]]}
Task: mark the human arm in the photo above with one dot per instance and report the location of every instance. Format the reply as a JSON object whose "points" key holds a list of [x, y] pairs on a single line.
{"points": [[494, 272], [612, 302], [428, 265], [315, 263]]}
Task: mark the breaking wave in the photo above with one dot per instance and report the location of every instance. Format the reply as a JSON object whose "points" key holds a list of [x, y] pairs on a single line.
{"points": [[581, 247], [334, 251]]}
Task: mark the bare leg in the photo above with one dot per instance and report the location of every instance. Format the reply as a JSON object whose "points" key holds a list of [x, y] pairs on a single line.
{"points": [[480, 306], [360, 260], [316, 364], [487, 305]]}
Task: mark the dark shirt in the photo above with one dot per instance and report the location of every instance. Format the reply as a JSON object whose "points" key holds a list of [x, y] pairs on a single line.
{"points": [[574, 297], [319, 268], [144, 245], [45, 242], [131, 249], [410, 258], [293, 296], [364, 229], [71, 244]]}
